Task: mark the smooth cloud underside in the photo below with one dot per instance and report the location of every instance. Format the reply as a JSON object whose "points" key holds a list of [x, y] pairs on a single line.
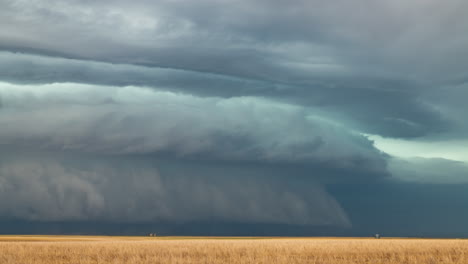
{"points": [[187, 111]]}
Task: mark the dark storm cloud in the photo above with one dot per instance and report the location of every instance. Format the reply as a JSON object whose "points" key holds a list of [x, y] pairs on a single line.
{"points": [[451, 102], [131, 120], [59, 187], [307, 52], [221, 109], [252, 141], [347, 101], [302, 36], [402, 209], [30, 69]]}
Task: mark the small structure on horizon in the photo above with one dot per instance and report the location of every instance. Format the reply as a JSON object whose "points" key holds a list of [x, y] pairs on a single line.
{"points": [[152, 234], [377, 236]]}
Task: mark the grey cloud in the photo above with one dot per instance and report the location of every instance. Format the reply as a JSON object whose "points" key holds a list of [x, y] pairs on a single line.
{"points": [[429, 170], [46, 191], [234, 101], [347, 101], [450, 100], [53, 187], [137, 120], [31, 69], [390, 38], [308, 52]]}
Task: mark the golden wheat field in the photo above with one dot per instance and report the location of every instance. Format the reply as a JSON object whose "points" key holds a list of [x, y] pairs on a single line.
{"points": [[115, 250]]}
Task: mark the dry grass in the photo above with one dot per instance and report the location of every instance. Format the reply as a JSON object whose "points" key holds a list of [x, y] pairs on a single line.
{"points": [[103, 250]]}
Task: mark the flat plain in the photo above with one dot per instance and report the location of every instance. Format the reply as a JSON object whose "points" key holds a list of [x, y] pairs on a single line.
{"points": [[116, 250]]}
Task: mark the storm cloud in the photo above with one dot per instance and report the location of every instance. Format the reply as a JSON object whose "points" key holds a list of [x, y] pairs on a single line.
{"points": [[241, 111], [56, 186]]}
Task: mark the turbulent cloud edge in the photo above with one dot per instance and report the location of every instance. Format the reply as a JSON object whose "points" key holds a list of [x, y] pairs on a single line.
{"points": [[125, 120]]}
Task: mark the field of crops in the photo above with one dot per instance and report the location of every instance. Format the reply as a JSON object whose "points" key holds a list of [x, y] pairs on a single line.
{"points": [[116, 250]]}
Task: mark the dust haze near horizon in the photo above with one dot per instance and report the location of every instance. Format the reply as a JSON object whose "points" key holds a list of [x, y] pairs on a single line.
{"points": [[297, 115]]}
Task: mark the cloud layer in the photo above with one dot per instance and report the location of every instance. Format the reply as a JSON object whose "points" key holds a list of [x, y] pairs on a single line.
{"points": [[58, 187], [229, 110], [131, 120]]}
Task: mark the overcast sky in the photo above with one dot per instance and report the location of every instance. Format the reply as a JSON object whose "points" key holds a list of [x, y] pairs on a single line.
{"points": [[294, 116]]}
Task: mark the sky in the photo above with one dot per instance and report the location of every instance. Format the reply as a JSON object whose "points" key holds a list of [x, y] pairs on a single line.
{"points": [[223, 117]]}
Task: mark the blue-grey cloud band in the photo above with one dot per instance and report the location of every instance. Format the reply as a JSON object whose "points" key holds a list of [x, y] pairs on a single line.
{"points": [[187, 111]]}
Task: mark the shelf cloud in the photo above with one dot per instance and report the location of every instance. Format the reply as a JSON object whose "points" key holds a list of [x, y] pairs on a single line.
{"points": [[228, 111]]}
